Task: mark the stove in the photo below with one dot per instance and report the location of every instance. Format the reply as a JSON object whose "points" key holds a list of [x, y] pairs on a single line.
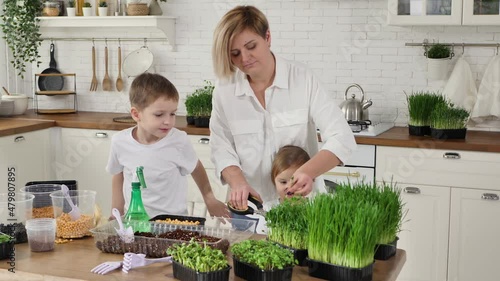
{"points": [[367, 128]]}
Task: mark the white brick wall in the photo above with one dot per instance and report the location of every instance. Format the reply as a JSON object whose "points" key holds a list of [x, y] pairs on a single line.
{"points": [[343, 41]]}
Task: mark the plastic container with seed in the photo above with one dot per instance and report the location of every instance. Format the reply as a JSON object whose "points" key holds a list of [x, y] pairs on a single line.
{"points": [[42, 203], [41, 234], [66, 227]]}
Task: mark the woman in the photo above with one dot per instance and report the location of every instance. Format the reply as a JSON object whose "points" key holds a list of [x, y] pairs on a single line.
{"points": [[263, 102]]}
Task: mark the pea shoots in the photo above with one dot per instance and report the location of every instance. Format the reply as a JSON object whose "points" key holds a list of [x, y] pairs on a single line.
{"points": [[263, 254], [197, 257]]}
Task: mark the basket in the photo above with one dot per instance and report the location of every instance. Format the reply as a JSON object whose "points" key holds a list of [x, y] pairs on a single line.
{"points": [[137, 9]]}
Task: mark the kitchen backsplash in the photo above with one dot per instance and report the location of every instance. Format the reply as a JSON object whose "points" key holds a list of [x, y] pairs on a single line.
{"points": [[344, 42]]}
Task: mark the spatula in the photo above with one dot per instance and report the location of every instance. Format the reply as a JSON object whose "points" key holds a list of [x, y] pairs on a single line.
{"points": [[75, 212], [126, 234]]}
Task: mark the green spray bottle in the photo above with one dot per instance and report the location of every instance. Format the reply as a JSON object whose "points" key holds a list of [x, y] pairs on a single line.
{"points": [[136, 215]]}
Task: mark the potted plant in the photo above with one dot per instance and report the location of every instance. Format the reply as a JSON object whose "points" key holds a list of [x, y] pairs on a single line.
{"points": [[6, 246], [71, 10], [343, 233], [20, 26], [420, 105], [194, 262], [449, 122], [87, 9], [262, 260], [438, 57], [199, 105], [288, 226], [103, 8]]}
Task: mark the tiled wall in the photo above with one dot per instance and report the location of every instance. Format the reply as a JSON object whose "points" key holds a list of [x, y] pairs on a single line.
{"points": [[343, 41]]}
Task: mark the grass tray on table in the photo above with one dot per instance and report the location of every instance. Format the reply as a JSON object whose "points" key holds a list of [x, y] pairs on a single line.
{"points": [[218, 233]]}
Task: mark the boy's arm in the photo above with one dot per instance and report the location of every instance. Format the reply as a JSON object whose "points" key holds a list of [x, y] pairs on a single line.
{"points": [[117, 200], [215, 207]]}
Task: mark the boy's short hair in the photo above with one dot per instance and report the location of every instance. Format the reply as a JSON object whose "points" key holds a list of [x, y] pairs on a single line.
{"points": [[148, 87], [288, 156]]}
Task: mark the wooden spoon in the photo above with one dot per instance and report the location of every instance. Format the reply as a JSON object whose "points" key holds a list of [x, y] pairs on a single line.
{"points": [[106, 82], [119, 81], [6, 91]]}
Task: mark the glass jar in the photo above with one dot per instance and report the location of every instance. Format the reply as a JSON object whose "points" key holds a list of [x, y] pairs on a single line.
{"points": [[51, 9]]}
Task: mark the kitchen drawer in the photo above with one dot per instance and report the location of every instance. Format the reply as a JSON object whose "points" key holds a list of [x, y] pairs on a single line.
{"points": [[363, 156], [340, 175], [439, 167]]}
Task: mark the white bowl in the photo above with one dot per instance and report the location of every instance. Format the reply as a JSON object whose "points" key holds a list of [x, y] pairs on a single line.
{"points": [[20, 103], [6, 108]]}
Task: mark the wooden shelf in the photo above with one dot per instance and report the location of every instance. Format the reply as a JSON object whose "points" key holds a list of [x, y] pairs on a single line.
{"points": [[59, 93]]}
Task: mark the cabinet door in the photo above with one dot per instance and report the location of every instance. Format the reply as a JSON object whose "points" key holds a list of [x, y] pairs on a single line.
{"points": [[83, 157], [474, 234], [481, 12], [424, 12], [424, 233], [27, 155]]}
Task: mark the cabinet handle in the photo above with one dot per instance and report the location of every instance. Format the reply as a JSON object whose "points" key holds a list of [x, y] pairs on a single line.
{"points": [[204, 140], [451, 155], [412, 190], [18, 139], [101, 135], [352, 175], [489, 196]]}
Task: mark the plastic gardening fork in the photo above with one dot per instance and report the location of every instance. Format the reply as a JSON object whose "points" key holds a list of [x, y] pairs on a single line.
{"points": [[126, 234], [75, 212], [106, 267], [131, 260]]}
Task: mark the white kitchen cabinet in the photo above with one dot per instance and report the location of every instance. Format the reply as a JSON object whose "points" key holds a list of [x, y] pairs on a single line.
{"points": [[474, 233], [82, 156], [25, 157], [196, 205], [480, 12], [424, 233], [424, 12]]}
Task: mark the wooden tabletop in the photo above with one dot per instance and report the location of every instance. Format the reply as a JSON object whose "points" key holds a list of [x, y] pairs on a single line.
{"points": [[74, 260]]}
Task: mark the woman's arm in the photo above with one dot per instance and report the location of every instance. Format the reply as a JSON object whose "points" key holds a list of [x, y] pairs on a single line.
{"points": [[215, 207]]}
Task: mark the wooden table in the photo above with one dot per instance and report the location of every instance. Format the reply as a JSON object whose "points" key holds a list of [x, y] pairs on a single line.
{"points": [[73, 261]]}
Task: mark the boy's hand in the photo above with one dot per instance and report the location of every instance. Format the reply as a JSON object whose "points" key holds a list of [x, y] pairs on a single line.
{"points": [[216, 208]]}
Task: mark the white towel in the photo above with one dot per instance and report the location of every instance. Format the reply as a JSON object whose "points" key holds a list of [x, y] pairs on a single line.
{"points": [[487, 106], [461, 87]]}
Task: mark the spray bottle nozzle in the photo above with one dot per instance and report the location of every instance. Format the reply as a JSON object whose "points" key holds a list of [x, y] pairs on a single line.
{"points": [[140, 176]]}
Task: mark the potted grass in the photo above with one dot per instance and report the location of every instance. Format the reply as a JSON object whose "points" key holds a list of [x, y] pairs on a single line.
{"points": [[262, 260], [343, 233], [449, 122], [438, 58], [420, 105], [288, 226], [194, 262], [199, 105]]}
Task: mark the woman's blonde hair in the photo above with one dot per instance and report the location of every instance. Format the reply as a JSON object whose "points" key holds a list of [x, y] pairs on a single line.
{"points": [[233, 23], [288, 156]]}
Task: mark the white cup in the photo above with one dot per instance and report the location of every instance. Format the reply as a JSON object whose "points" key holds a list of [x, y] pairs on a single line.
{"points": [[41, 234]]}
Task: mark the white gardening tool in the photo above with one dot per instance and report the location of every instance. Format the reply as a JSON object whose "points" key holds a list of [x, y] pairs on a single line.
{"points": [[75, 212], [131, 260], [106, 267], [126, 234]]}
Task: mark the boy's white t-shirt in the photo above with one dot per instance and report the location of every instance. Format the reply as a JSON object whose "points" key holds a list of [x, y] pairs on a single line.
{"points": [[166, 164]]}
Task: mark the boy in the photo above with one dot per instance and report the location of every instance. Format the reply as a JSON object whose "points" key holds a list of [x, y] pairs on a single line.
{"points": [[164, 151]]}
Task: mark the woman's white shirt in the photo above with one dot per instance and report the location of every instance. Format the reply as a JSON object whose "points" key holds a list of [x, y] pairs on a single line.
{"points": [[246, 135]]}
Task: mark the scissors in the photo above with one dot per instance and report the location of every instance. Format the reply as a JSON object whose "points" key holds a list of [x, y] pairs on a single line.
{"points": [[249, 210]]}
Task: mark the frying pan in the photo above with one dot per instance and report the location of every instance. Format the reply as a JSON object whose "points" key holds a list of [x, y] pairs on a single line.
{"points": [[51, 83], [138, 61]]}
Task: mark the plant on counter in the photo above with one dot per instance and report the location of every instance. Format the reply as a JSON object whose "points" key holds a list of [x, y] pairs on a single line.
{"points": [[197, 257], [6, 246], [262, 254], [199, 105], [20, 26], [447, 116], [420, 106]]}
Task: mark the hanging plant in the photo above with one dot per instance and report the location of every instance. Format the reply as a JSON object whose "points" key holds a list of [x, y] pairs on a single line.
{"points": [[21, 31]]}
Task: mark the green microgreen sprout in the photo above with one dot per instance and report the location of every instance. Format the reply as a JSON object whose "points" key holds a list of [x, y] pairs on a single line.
{"points": [[200, 258], [263, 254]]}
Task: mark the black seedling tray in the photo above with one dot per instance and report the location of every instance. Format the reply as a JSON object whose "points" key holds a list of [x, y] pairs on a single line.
{"points": [[181, 218]]}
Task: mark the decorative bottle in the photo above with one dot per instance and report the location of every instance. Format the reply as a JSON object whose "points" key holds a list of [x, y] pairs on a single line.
{"points": [[136, 215]]}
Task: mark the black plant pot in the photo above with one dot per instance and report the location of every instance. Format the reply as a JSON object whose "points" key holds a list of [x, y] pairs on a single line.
{"points": [[299, 254], [184, 273], [6, 250], [386, 251], [190, 120], [448, 134], [419, 130], [250, 272], [202, 122], [334, 272]]}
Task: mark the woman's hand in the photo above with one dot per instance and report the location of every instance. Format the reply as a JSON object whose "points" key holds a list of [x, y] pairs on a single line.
{"points": [[300, 184], [239, 196]]}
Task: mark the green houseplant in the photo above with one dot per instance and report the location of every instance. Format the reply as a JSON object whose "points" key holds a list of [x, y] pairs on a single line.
{"points": [[199, 105], [20, 27], [438, 58], [192, 261], [71, 10], [262, 260], [449, 122], [420, 105], [6, 246], [287, 225]]}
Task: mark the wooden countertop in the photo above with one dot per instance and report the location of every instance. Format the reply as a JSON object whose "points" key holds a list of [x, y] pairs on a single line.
{"points": [[397, 136], [74, 260]]}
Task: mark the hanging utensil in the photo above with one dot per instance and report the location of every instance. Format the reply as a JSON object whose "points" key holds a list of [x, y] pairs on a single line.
{"points": [[51, 83], [5, 90], [106, 82], [119, 81], [94, 83], [138, 62]]}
